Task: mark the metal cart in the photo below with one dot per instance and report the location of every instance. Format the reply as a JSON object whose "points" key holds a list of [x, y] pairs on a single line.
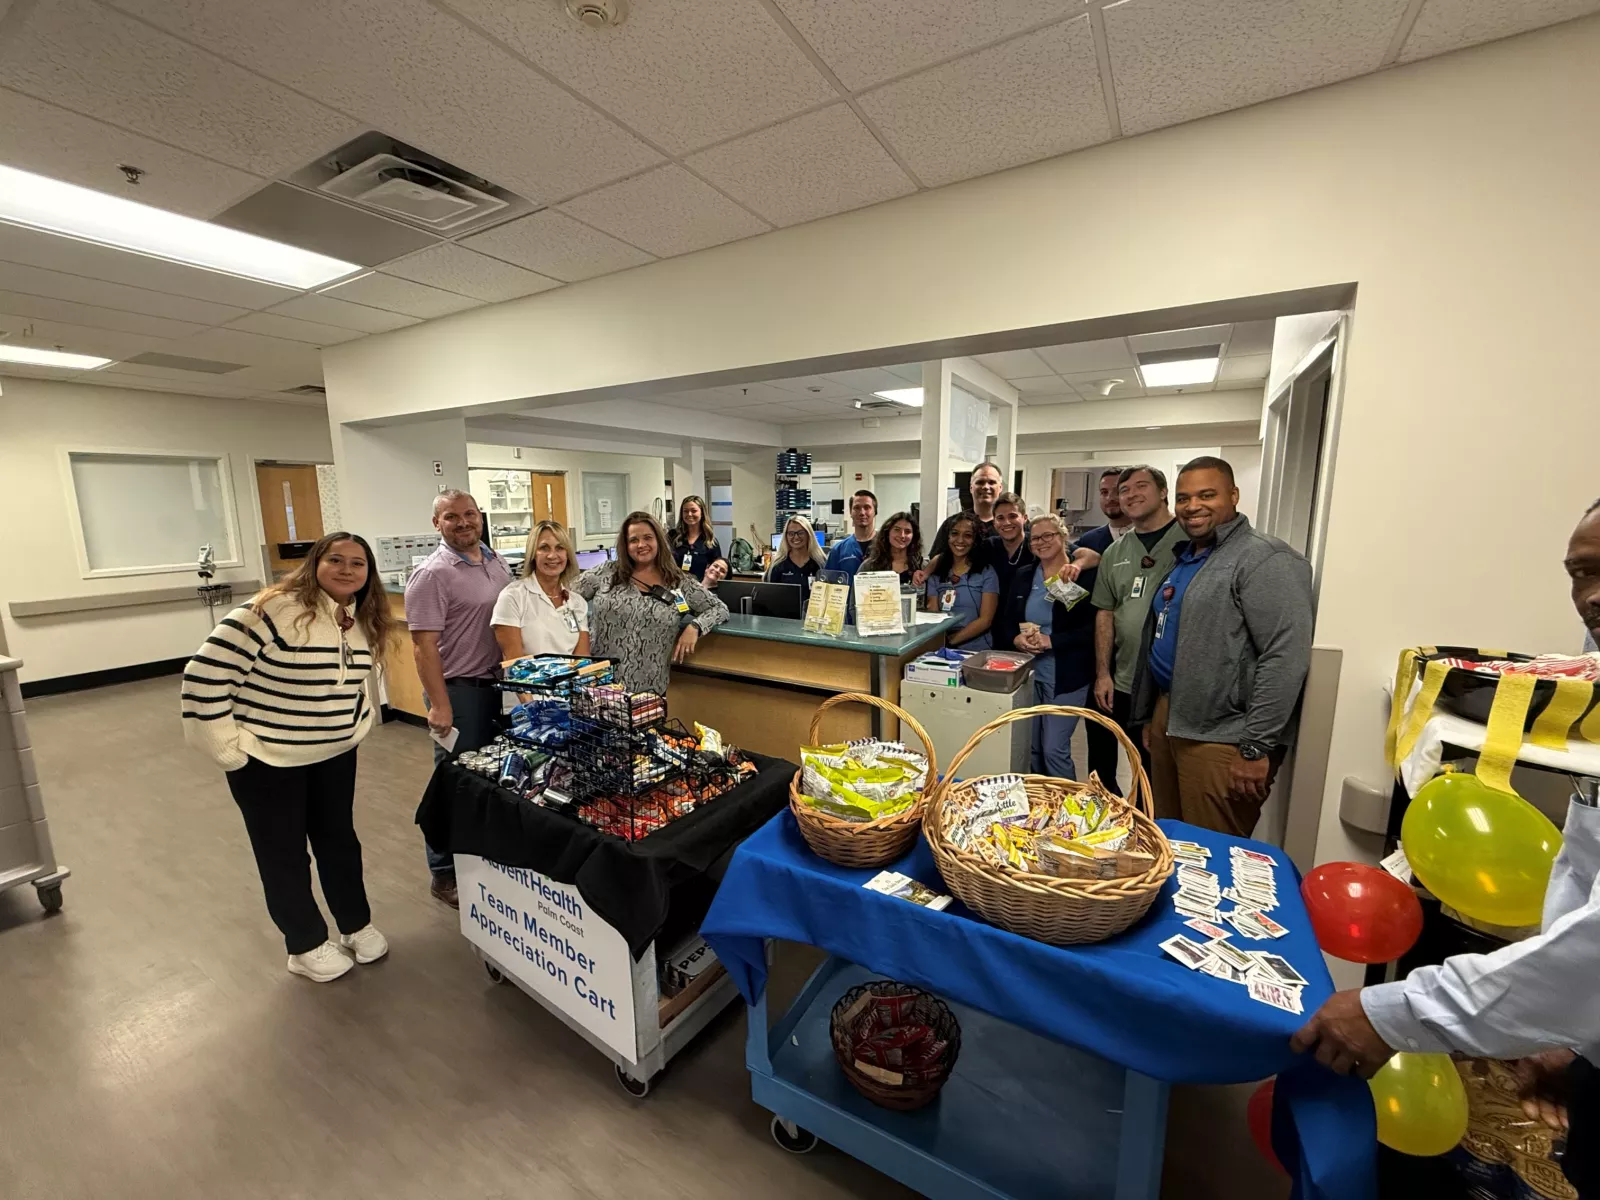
{"points": [[25, 852]]}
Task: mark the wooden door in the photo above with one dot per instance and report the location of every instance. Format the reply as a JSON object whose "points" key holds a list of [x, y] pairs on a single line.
{"points": [[549, 497], [291, 509]]}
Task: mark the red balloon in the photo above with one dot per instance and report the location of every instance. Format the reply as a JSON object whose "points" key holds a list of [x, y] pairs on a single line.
{"points": [[1258, 1114], [1361, 914]]}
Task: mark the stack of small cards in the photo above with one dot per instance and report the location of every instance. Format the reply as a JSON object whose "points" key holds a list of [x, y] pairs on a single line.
{"points": [[1270, 978]]}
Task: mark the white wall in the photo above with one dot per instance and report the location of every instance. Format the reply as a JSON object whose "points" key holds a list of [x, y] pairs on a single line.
{"points": [[1246, 463], [1457, 194], [645, 478], [38, 559]]}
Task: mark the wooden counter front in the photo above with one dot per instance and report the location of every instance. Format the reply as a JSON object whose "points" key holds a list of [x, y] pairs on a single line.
{"points": [[401, 684]]}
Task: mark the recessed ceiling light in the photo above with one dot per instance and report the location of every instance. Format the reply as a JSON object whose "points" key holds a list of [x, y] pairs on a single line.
{"points": [[1151, 428], [50, 358], [910, 397], [63, 208], [1180, 368]]}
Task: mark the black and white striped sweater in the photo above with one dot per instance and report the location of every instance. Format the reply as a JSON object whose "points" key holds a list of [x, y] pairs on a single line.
{"points": [[265, 686]]}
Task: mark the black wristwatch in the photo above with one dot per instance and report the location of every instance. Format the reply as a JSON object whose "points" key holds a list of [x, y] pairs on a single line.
{"points": [[1251, 751]]}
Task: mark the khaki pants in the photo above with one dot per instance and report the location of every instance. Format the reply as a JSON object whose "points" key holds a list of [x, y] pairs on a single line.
{"points": [[1191, 780]]}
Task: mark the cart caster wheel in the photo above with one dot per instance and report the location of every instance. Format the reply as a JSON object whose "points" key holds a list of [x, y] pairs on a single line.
{"points": [[803, 1141], [50, 897], [637, 1088], [494, 973]]}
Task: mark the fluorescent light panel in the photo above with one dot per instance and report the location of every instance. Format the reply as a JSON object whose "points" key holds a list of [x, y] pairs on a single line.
{"points": [[63, 208], [910, 397], [32, 357], [1180, 368]]}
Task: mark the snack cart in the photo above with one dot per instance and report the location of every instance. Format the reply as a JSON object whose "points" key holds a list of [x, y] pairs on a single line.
{"points": [[25, 852]]}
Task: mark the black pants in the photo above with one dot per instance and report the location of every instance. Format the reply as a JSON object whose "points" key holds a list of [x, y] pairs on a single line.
{"points": [[1581, 1162], [284, 807], [476, 711], [1103, 743]]}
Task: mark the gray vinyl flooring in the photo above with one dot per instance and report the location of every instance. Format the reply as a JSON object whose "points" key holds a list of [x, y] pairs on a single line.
{"points": [[152, 1046]]}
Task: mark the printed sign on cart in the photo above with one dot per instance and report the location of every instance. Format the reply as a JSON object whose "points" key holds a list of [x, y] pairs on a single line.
{"points": [[543, 933]]}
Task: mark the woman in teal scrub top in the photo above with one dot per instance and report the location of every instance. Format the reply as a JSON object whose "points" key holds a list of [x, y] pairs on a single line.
{"points": [[965, 585]]}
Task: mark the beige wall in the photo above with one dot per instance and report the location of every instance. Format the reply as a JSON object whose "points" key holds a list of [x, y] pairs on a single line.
{"points": [[1458, 194], [645, 478], [38, 556]]}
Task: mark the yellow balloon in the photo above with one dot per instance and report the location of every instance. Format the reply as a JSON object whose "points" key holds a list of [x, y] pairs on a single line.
{"points": [[1485, 853], [1422, 1107]]}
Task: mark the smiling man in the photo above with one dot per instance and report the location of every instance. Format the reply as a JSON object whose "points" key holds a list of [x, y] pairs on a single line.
{"points": [[1223, 659], [985, 485]]}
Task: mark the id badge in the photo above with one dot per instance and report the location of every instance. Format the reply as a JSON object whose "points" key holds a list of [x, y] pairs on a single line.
{"points": [[1137, 589], [1161, 623], [571, 619], [682, 605], [687, 563], [947, 600]]}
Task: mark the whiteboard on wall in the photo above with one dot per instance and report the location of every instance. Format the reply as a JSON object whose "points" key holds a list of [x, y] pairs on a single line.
{"points": [[147, 513]]}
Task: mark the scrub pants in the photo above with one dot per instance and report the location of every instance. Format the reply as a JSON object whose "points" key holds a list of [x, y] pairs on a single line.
{"points": [[1052, 736], [475, 709]]}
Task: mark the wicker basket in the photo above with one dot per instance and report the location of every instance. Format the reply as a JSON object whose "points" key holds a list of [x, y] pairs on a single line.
{"points": [[1062, 912], [917, 1088], [861, 843]]}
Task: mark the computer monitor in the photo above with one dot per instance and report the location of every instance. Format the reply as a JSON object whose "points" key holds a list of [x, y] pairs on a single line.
{"points": [[589, 558], [761, 599], [777, 541], [822, 537]]}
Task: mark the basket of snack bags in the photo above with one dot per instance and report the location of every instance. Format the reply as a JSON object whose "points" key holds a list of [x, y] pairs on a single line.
{"points": [[1052, 859], [896, 1044], [859, 804]]}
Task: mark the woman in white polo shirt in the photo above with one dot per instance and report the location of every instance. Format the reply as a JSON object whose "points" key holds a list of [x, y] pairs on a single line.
{"points": [[538, 613]]}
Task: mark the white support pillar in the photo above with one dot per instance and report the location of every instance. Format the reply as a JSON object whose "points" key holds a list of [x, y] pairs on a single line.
{"points": [[1005, 451], [936, 475], [387, 476], [689, 475]]}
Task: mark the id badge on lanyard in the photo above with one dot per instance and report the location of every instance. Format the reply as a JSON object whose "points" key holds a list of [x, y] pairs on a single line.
{"points": [[682, 605], [1167, 593], [570, 619], [688, 562]]}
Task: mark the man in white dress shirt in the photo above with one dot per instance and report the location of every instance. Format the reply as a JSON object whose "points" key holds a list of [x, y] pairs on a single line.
{"points": [[1536, 1001]]}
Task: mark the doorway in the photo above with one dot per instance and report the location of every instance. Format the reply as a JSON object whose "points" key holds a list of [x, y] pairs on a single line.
{"points": [[1297, 455], [291, 512]]}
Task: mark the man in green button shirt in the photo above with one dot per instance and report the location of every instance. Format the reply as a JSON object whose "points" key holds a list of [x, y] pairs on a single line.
{"points": [[1130, 571]]}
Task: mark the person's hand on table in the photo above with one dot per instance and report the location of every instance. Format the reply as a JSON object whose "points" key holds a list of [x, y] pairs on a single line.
{"points": [[1104, 693], [440, 719], [716, 573], [684, 646], [1541, 1086], [1343, 1038], [1247, 780]]}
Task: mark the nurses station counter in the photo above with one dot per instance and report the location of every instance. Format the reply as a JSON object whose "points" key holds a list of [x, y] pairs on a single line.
{"points": [[758, 680]]}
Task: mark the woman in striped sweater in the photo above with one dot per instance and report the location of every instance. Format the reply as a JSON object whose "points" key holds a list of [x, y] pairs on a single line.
{"points": [[279, 696]]}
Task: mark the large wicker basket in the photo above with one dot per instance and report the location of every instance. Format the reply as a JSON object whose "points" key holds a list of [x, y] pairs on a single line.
{"points": [[1062, 912], [861, 843]]}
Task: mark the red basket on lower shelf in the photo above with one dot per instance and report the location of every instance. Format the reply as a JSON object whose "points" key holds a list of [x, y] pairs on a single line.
{"points": [[896, 1044]]}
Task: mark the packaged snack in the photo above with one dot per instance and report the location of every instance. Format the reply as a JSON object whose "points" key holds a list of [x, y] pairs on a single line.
{"points": [[710, 739]]}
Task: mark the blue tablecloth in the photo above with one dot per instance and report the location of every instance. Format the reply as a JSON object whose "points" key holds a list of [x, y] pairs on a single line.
{"points": [[1123, 1000]]}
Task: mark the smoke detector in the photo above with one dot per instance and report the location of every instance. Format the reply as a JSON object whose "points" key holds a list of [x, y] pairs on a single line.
{"points": [[1104, 386], [598, 14]]}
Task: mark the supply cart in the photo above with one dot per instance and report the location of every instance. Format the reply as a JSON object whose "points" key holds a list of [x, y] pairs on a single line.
{"points": [[1084, 1042], [26, 855], [580, 919]]}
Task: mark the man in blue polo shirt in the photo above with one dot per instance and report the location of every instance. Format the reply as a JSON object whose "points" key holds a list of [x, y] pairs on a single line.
{"points": [[847, 554], [1226, 647]]}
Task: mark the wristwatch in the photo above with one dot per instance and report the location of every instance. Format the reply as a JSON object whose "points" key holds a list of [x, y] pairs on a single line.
{"points": [[1251, 751]]}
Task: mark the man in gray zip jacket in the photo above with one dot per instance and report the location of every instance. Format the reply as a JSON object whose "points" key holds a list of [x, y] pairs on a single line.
{"points": [[1223, 658]]}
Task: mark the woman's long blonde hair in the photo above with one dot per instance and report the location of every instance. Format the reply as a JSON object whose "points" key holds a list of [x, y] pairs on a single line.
{"points": [[817, 556], [371, 602], [563, 539]]}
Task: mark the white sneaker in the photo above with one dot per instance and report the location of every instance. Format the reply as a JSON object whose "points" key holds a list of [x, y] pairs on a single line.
{"points": [[368, 945], [327, 962]]}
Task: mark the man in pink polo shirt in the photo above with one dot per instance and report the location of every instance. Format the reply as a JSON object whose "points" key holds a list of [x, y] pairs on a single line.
{"points": [[449, 600]]}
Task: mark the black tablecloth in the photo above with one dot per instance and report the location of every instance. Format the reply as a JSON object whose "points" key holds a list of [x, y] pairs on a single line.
{"points": [[626, 883]]}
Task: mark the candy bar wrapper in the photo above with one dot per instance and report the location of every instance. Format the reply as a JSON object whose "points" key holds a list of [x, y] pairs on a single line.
{"points": [[888, 1078]]}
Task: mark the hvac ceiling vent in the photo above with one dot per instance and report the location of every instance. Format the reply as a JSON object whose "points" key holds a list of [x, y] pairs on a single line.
{"points": [[881, 406], [398, 187], [306, 389]]}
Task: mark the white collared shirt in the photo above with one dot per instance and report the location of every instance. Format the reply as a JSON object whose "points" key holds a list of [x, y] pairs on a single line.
{"points": [[547, 628]]}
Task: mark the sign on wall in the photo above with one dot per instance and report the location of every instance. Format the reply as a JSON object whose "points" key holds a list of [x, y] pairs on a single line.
{"points": [[969, 426], [541, 932]]}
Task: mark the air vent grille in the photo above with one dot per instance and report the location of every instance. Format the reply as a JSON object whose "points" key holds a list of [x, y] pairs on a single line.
{"points": [[306, 389]]}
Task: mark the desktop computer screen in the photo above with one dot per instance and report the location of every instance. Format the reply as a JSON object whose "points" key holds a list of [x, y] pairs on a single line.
{"points": [[762, 599], [777, 541], [589, 558]]}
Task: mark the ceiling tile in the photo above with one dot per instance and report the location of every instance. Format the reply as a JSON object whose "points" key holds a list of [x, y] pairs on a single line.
{"points": [[1251, 337], [1024, 100], [1015, 364], [1179, 339], [870, 379], [252, 349], [801, 386], [273, 324], [36, 281], [106, 65], [1244, 367], [1451, 24], [1077, 357], [278, 376], [419, 74], [66, 255], [1042, 385], [51, 141], [458, 269], [869, 43], [1068, 397], [400, 295], [1175, 60], [23, 330], [666, 211], [19, 371], [123, 375], [51, 309], [910, 372], [328, 311], [1084, 383], [684, 73], [824, 162], [553, 244]]}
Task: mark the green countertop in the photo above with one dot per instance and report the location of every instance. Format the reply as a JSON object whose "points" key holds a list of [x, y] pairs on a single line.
{"points": [[781, 629]]}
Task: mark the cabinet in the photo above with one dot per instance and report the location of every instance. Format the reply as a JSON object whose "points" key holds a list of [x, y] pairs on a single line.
{"points": [[951, 715]]}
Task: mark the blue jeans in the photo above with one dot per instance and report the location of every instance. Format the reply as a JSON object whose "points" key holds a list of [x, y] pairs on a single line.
{"points": [[1052, 736], [475, 711]]}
